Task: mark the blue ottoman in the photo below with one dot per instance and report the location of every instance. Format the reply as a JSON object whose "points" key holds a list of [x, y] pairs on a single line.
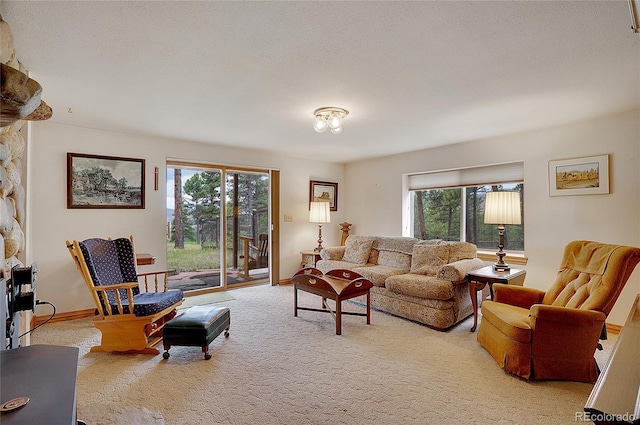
{"points": [[196, 327]]}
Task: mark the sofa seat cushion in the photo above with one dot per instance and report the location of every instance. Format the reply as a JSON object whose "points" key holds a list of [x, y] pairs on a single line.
{"points": [[421, 286], [378, 274], [511, 320], [381, 291]]}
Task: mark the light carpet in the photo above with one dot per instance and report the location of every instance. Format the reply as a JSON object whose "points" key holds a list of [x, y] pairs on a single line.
{"points": [[210, 298], [278, 369]]}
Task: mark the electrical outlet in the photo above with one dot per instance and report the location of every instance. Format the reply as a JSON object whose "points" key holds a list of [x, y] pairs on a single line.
{"points": [[288, 218]]}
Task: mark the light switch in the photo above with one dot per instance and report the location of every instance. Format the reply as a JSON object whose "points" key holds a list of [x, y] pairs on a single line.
{"points": [[288, 218]]}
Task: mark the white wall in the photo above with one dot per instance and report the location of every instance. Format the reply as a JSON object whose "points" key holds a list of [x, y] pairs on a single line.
{"points": [[52, 223], [374, 191], [369, 197]]}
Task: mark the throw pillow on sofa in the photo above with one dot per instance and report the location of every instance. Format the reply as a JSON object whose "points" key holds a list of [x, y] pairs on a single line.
{"points": [[427, 258], [357, 249]]}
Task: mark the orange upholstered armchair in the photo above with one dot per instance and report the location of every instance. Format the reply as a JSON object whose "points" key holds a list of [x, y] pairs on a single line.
{"points": [[554, 334]]}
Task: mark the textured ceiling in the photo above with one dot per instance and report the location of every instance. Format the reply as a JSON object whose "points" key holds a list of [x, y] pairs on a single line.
{"points": [[413, 75]]}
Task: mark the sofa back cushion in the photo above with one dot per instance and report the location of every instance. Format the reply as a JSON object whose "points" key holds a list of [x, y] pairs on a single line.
{"points": [[428, 258], [357, 249], [394, 259], [461, 251], [394, 243]]}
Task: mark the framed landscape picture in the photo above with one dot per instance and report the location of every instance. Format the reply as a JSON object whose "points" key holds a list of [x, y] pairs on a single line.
{"points": [[324, 191], [104, 181], [579, 176]]}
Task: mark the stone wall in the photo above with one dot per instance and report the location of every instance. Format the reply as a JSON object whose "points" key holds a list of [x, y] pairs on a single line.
{"points": [[19, 96]]}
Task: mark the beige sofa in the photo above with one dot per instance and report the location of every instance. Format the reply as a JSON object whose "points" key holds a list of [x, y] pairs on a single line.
{"points": [[424, 281]]}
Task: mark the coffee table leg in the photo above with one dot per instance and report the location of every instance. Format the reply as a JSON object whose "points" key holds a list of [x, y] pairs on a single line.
{"points": [[368, 308], [295, 300], [338, 316]]}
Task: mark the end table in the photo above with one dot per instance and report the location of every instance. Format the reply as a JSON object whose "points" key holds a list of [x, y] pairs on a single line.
{"points": [[479, 278], [309, 258]]}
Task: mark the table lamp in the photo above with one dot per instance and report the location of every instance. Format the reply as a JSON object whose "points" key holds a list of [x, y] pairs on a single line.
{"points": [[502, 208], [320, 212]]}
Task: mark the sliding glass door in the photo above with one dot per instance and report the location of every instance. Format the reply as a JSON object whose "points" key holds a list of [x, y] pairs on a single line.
{"points": [[218, 225]]}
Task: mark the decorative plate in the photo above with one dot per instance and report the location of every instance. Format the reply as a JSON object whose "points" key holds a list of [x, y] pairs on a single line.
{"points": [[14, 404]]}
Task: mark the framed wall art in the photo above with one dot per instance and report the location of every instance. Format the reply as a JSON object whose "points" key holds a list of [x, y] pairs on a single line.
{"points": [[95, 181], [324, 191], [579, 176]]}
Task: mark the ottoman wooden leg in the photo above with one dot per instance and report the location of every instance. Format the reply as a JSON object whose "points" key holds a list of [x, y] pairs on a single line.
{"points": [[205, 350]]}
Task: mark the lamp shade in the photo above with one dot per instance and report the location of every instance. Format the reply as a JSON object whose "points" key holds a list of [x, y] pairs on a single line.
{"points": [[502, 208], [320, 212]]}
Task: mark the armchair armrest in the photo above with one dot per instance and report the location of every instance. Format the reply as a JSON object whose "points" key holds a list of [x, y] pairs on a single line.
{"points": [[125, 285], [519, 296], [115, 288], [332, 253], [158, 277], [573, 316], [561, 332], [457, 271]]}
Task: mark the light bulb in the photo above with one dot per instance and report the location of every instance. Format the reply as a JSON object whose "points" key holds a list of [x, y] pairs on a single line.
{"points": [[337, 130], [335, 120], [320, 125]]}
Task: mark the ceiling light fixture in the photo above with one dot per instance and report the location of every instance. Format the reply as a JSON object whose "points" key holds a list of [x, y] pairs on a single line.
{"points": [[329, 117]]}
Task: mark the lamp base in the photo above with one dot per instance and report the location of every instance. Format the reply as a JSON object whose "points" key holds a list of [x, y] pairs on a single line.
{"points": [[501, 267], [319, 247]]}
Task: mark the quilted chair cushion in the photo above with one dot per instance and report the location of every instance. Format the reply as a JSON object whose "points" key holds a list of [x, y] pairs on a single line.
{"points": [[112, 262], [148, 303], [105, 266], [590, 275]]}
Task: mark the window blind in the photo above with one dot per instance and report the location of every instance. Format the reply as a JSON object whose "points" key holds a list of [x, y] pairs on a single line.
{"points": [[512, 172]]}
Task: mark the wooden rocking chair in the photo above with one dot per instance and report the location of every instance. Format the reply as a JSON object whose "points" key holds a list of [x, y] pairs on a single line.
{"points": [[128, 319], [258, 256]]}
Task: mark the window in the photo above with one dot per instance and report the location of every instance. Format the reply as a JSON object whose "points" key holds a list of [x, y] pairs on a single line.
{"points": [[449, 205]]}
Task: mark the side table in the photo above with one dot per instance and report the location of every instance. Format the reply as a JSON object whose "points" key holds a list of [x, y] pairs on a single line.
{"points": [[309, 258], [479, 278]]}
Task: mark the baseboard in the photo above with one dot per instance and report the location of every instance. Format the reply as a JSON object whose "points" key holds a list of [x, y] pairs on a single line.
{"points": [[285, 282], [613, 328], [62, 317]]}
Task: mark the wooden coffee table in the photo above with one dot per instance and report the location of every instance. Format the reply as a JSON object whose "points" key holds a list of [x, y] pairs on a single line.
{"points": [[338, 285]]}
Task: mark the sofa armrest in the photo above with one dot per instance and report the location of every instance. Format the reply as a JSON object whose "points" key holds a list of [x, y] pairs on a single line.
{"points": [[332, 253], [457, 271], [519, 296]]}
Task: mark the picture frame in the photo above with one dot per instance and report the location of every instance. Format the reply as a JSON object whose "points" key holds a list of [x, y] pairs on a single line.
{"points": [[97, 181], [579, 176], [324, 191]]}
